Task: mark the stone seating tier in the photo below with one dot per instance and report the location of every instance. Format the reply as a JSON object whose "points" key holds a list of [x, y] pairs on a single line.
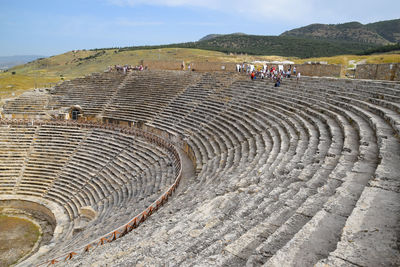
{"points": [[308, 152], [300, 175], [114, 173]]}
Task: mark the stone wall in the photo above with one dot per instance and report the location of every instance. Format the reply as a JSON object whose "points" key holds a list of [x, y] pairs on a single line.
{"points": [[320, 70], [390, 71], [213, 66], [162, 65], [196, 66]]}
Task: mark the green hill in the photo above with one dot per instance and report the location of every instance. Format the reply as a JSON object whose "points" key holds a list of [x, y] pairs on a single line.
{"points": [[378, 33], [287, 46], [388, 29], [315, 40]]}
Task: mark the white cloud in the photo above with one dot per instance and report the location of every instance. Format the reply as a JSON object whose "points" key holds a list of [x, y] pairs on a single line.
{"points": [[257, 10], [286, 11]]}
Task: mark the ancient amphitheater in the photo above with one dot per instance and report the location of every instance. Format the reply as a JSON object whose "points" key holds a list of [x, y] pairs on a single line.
{"points": [[307, 174]]}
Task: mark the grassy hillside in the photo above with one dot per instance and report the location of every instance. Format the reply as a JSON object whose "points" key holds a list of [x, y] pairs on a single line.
{"points": [[349, 61], [45, 72], [48, 71]]}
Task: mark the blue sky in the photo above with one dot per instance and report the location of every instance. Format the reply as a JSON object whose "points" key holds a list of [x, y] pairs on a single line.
{"points": [[53, 27]]}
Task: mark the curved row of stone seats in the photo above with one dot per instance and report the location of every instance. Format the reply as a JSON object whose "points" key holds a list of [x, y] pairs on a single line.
{"points": [[383, 181], [253, 104], [178, 116], [15, 142], [145, 94], [87, 160], [116, 174], [378, 100], [30, 103], [86, 165], [186, 127], [50, 149], [330, 171], [279, 94], [227, 130], [237, 127], [284, 177], [183, 104], [132, 195], [91, 92]]}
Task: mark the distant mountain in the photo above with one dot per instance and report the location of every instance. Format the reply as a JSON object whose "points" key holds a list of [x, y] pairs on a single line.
{"points": [[212, 36], [379, 33], [280, 45], [315, 40], [11, 61], [288, 46], [388, 29]]}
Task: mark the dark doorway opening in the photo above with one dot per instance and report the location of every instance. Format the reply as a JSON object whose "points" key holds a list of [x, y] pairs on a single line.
{"points": [[75, 114]]}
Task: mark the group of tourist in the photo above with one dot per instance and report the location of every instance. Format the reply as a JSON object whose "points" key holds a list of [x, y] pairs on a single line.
{"points": [[125, 68], [272, 73]]}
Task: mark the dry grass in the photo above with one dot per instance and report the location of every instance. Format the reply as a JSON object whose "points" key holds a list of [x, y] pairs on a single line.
{"points": [[12, 85], [345, 60]]}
